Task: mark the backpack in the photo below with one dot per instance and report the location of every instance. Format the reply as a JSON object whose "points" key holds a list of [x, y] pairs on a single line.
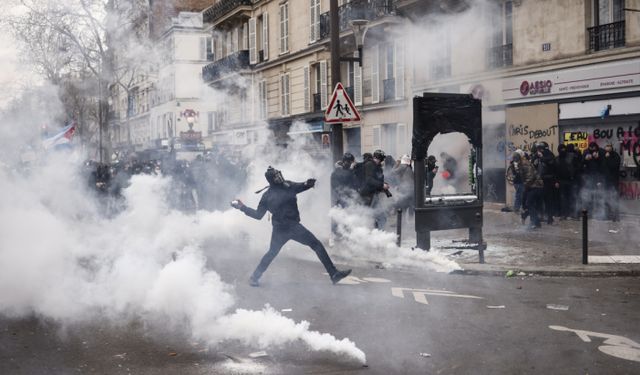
{"points": [[358, 172]]}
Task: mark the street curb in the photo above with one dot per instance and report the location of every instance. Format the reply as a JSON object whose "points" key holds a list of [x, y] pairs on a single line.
{"points": [[479, 270]]}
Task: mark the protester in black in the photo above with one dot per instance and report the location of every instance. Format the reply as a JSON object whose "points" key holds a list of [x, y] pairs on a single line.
{"points": [[611, 179], [343, 181], [280, 199], [566, 174], [431, 172]]}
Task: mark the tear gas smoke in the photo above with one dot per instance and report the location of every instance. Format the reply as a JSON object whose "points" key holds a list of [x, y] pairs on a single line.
{"points": [[359, 242], [61, 260]]}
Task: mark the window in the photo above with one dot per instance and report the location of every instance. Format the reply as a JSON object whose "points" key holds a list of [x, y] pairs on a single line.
{"points": [[314, 25], [284, 94], [376, 137], [253, 55], [262, 99], [284, 28], [501, 51], [607, 11], [265, 36]]}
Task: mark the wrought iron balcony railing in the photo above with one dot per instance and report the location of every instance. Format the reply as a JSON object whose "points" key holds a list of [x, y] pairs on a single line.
{"points": [[231, 63], [222, 8], [500, 56], [357, 10], [611, 35]]}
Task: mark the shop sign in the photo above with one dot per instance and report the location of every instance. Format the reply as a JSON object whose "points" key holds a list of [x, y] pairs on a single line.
{"points": [[607, 76]]}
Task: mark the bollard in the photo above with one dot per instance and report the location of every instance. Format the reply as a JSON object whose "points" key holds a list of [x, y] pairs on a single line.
{"points": [[585, 237], [399, 227]]}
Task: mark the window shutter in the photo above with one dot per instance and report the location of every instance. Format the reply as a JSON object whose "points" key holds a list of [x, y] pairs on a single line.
{"points": [[203, 48], [218, 43], [265, 100], [235, 39], [357, 85], [284, 28], [245, 36], [307, 97], [314, 24], [323, 84], [281, 28], [252, 41], [375, 75], [265, 35], [399, 67]]}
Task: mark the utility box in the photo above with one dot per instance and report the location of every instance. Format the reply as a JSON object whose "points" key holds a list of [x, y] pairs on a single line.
{"points": [[433, 114]]}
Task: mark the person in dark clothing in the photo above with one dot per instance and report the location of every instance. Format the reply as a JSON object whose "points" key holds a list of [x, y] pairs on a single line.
{"points": [[611, 179], [544, 162], [566, 174], [280, 199], [373, 183], [431, 172], [343, 181], [533, 185], [514, 177], [575, 202], [592, 177]]}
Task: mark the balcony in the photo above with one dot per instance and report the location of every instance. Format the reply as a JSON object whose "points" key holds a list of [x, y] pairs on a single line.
{"points": [[317, 103], [500, 56], [389, 89], [225, 9], [228, 64], [606, 36], [357, 10]]}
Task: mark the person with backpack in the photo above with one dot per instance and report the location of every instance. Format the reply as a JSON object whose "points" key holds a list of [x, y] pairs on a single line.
{"points": [[370, 181], [280, 199]]}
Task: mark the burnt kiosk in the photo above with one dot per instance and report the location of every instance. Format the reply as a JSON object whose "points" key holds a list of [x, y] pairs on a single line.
{"points": [[435, 113]]}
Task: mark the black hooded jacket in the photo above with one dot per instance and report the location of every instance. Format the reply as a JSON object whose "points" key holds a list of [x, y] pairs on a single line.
{"points": [[281, 201]]}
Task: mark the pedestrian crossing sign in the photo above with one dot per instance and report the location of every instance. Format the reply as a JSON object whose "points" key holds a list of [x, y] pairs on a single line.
{"points": [[341, 108]]}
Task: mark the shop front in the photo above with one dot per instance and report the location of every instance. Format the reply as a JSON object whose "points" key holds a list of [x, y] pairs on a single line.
{"points": [[596, 103]]}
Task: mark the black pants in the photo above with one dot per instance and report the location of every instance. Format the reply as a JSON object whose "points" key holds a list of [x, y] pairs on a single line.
{"points": [[566, 198], [283, 233], [548, 196]]}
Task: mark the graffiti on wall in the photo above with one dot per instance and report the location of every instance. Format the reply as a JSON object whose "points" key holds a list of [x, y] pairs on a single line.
{"points": [[630, 190], [625, 139], [523, 137]]}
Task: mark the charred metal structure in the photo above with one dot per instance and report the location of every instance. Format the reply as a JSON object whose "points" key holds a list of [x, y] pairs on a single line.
{"points": [[434, 114]]}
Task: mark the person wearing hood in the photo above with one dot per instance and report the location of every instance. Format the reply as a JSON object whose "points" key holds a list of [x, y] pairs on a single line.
{"points": [[544, 162], [402, 177], [280, 200], [514, 177], [611, 180], [567, 174], [592, 176]]}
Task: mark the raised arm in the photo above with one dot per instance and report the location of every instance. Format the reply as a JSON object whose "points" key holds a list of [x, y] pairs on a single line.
{"points": [[256, 214], [299, 187]]}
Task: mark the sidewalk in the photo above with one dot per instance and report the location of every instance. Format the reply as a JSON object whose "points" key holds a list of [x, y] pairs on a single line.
{"points": [[553, 250]]}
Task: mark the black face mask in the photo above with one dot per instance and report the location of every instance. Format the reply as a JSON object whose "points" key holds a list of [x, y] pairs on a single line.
{"points": [[274, 176]]}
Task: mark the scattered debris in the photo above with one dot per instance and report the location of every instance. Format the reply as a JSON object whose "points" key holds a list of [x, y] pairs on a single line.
{"points": [[603, 314], [613, 231], [457, 253], [259, 354], [597, 290], [509, 273], [365, 365], [120, 356], [519, 287], [531, 275], [232, 358], [286, 310], [552, 306], [426, 355], [379, 266], [521, 273], [496, 307], [172, 354]]}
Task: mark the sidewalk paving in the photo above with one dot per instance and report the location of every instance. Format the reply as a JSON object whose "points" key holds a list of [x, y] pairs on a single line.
{"points": [[553, 250]]}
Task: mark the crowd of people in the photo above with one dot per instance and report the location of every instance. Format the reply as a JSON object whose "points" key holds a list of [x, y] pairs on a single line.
{"points": [[208, 182], [562, 185]]}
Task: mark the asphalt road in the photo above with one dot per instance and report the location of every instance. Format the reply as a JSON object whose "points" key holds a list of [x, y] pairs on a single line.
{"points": [[392, 315]]}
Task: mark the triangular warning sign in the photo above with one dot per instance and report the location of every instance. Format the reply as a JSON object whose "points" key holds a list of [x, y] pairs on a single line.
{"points": [[341, 108]]}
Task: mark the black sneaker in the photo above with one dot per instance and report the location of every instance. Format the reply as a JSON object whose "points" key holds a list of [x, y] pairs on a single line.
{"points": [[339, 275], [254, 282]]}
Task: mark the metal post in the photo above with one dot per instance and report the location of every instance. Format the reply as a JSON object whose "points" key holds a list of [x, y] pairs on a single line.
{"points": [[399, 227], [585, 237], [334, 27]]}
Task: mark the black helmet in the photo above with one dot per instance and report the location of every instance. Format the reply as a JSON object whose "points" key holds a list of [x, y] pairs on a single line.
{"points": [[274, 176], [348, 157], [431, 159], [379, 154], [542, 145]]}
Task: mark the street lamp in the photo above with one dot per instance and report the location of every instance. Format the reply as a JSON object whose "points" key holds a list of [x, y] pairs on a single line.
{"points": [[359, 28]]}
